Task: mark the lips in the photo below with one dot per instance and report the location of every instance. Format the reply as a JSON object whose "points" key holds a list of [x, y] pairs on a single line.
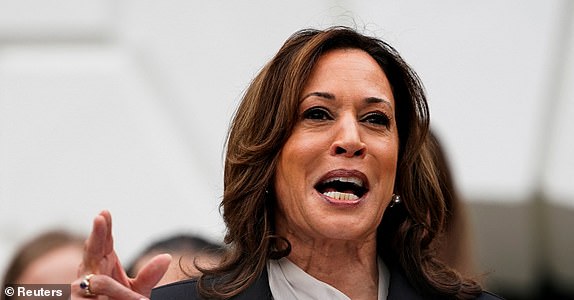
{"points": [[343, 186]]}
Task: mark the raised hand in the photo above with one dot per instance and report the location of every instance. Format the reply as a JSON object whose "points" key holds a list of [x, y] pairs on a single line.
{"points": [[101, 273]]}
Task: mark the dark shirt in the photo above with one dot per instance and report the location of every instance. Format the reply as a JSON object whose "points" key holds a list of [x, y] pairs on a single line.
{"points": [[399, 289]]}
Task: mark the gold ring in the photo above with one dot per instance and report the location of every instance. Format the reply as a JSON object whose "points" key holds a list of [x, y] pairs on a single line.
{"points": [[85, 285]]}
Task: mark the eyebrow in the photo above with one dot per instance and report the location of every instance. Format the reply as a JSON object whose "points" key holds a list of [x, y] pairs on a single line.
{"points": [[325, 95], [330, 96]]}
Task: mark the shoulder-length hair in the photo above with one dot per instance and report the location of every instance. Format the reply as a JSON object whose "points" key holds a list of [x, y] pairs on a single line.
{"points": [[262, 124]]}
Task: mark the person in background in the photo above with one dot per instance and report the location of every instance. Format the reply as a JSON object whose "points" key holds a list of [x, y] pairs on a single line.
{"points": [[49, 258], [454, 244], [330, 191], [186, 251]]}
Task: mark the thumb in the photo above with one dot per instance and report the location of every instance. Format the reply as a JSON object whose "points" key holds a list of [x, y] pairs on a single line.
{"points": [[151, 274]]}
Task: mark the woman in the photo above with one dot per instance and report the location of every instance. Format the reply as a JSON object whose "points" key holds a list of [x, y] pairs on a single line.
{"points": [[330, 190], [52, 257]]}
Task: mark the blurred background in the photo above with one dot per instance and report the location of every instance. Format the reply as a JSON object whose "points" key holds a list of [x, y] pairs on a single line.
{"points": [[124, 105]]}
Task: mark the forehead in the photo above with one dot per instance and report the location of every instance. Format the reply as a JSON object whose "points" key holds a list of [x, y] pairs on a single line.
{"points": [[349, 54], [346, 71]]}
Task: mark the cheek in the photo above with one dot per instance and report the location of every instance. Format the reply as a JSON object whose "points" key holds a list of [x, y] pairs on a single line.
{"points": [[386, 163], [285, 181], [296, 161]]}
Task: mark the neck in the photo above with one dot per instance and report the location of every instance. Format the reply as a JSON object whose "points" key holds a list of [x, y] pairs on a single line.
{"points": [[349, 266]]}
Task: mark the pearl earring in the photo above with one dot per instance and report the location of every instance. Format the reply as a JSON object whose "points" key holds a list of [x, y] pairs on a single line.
{"points": [[396, 199]]}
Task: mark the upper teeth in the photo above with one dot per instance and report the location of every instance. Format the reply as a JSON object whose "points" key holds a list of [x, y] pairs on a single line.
{"points": [[354, 180]]}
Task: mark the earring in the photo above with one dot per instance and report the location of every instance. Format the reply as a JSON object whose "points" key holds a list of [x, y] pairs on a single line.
{"points": [[396, 199]]}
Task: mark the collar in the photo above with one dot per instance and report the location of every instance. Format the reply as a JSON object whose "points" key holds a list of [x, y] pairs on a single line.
{"points": [[288, 281]]}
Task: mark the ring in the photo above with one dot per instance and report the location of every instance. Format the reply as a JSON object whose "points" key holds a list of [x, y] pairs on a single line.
{"points": [[85, 285]]}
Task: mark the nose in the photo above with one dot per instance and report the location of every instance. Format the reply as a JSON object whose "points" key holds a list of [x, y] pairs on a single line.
{"points": [[347, 141]]}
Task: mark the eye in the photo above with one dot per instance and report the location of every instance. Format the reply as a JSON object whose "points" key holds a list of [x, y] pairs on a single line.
{"points": [[377, 118], [317, 113]]}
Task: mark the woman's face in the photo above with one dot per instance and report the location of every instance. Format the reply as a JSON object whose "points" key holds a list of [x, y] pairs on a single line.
{"points": [[57, 266], [336, 171]]}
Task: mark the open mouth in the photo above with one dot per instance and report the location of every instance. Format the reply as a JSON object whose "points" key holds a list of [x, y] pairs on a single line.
{"points": [[342, 188]]}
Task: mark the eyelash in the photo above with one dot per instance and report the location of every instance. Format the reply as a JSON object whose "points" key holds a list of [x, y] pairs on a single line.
{"points": [[317, 113], [378, 118], [322, 114]]}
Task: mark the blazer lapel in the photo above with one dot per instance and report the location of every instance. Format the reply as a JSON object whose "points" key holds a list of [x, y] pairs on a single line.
{"points": [[258, 290], [400, 288]]}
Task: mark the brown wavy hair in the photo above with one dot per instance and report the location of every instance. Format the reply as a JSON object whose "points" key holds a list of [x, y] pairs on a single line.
{"points": [[262, 124]]}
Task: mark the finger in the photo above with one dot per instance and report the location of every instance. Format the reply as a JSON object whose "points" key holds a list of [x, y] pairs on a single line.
{"points": [[151, 274], [94, 247], [77, 291], [118, 272], [103, 285], [109, 246]]}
